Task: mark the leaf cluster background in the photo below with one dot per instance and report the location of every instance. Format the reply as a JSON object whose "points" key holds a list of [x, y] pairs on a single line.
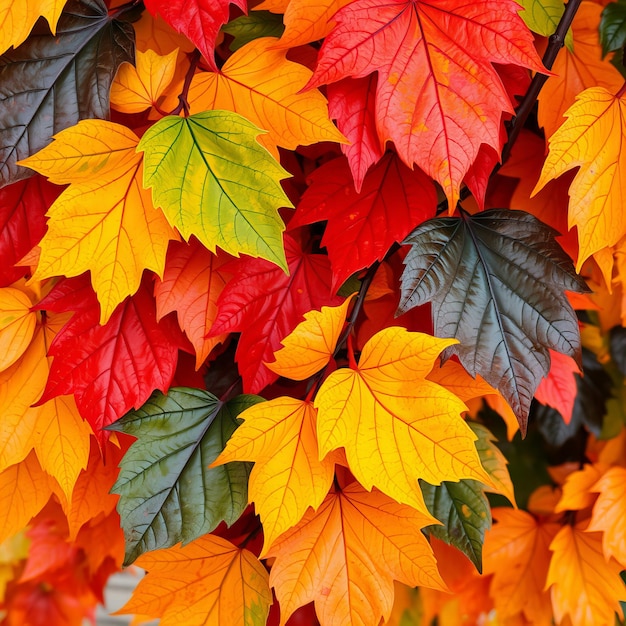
{"points": [[314, 310]]}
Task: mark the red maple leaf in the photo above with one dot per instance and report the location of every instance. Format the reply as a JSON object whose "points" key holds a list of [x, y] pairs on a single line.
{"points": [[363, 226], [265, 305]]}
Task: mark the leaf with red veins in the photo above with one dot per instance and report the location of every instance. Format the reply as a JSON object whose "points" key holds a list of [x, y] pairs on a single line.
{"points": [[363, 226], [114, 368], [352, 102], [23, 207], [439, 96], [199, 20], [265, 305]]}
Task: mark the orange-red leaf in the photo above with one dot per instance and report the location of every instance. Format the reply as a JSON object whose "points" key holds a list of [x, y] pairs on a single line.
{"points": [[558, 389]]}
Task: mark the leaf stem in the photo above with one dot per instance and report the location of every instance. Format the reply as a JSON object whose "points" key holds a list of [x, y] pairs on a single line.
{"points": [[183, 104]]}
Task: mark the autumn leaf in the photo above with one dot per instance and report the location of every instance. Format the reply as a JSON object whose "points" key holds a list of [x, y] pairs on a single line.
{"points": [[360, 230], [259, 83], [202, 584], [17, 325], [137, 88], [588, 140], [287, 477], [516, 552], [104, 222], [438, 95], [74, 72], [167, 492], [192, 282], [395, 425], [543, 16], [212, 160], [247, 28], [479, 272], [265, 305], [310, 346], [584, 585], [558, 389], [373, 541], [198, 20]]}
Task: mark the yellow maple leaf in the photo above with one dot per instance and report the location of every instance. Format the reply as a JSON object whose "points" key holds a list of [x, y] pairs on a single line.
{"points": [[395, 425], [287, 477], [310, 346], [577, 489], [18, 18], [260, 83], [17, 325], [345, 557], [208, 582], [137, 88], [591, 138], [584, 585], [104, 221]]}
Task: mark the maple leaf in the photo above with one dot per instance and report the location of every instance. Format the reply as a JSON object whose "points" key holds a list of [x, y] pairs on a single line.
{"points": [[74, 71], [588, 140], [438, 95], [205, 583], [352, 102], [516, 552], [137, 88], [192, 282], [360, 229], [18, 18], [346, 555], [559, 388], [479, 272], [584, 585], [167, 493], [287, 477], [17, 325], [113, 368], [212, 160], [259, 83], [265, 305], [104, 221], [395, 425], [310, 346], [198, 20]]}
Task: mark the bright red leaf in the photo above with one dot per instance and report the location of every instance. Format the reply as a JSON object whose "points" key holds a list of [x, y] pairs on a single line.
{"points": [[558, 389]]}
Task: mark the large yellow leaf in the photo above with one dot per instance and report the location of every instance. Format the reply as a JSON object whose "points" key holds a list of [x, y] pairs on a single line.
{"points": [[259, 83], [208, 582], [137, 88], [17, 325], [395, 425], [585, 585], [310, 346], [17, 17], [345, 557], [592, 138], [287, 477], [104, 221]]}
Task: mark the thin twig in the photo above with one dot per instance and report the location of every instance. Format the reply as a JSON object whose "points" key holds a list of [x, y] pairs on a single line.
{"points": [[183, 104]]}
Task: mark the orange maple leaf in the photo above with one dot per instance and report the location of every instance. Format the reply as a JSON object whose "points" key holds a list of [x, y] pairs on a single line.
{"points": [[345, 557]]}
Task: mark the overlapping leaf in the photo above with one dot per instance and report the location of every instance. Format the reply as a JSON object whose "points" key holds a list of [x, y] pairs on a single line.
{"points": [[395, 425], [613, 26], [259, 83], [438, 95], [363, 226], [345, 556], [247, 28], [207, 583], [496, 282], [543, 16], [559, 388], [167, 492], [212, 160], [104, 222], [17, 325], [52, 82]]}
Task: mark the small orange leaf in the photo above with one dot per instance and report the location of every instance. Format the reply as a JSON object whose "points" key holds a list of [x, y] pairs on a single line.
{"points": [[208, 582], [310, 346], [17, 325], [345, 557], [577, 490]]}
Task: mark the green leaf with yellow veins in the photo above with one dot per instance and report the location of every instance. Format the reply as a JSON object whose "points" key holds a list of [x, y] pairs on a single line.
{"points": [[213, 180]]}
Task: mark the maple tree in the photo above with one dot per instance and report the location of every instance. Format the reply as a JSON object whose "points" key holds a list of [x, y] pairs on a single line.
{"points": [[313, 309]]}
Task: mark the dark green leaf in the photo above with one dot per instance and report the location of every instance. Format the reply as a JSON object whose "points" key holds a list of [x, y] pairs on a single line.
{"points": [[613, 27], [168, 493], [464, 511], [258, 24], [496, 282], [51, 82]]}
